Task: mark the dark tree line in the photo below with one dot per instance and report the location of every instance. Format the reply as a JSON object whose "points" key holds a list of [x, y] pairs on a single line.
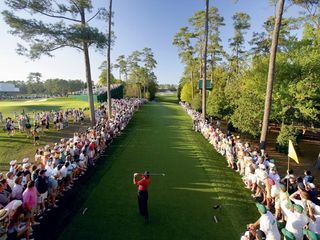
{"points": [[57, 87]]}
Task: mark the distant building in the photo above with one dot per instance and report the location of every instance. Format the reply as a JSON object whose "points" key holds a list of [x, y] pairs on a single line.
{"points": [[8, 89]]}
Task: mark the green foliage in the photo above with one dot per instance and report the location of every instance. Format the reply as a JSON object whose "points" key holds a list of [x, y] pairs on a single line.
{"points": [[287, 132], [57, 87], [71, 29], [131, 90], [122, 65], [239, 86], [196, 102], [216, 102], [261, 42], [152, 90], [241, 23], [186, 93], [140, 67]]}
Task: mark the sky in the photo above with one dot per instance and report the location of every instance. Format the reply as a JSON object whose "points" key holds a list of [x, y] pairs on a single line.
{"points": [[137, 24]]}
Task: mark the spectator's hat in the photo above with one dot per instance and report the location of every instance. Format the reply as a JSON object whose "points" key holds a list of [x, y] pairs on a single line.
{"points": [[288, 235], [3, 214], [25, 160], [272, 165], [16, 204], [311, 185], [311, 235], [26, 165], [43, 171], [261, 208], [19, 167], [298, 208], [13, 162], [9, 174]]}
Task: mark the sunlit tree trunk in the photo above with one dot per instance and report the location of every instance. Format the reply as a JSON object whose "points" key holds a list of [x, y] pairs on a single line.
{"points": [[271, 73], [205, 63], [88, 74], [192, 86], [108, 60]]}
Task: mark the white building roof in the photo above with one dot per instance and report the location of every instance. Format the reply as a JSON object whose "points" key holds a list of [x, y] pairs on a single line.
{"points": [[8, 87]]}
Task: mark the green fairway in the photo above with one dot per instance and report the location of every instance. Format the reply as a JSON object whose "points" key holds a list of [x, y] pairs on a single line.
{"points": [[160, 139], [8, 107], [19, 146]]}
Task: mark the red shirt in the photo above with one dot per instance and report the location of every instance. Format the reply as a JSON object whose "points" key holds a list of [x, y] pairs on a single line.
{"points": [[143, 184], [92, 146]]}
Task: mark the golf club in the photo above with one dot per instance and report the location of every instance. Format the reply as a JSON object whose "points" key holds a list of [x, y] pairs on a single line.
{"points": [[155, 174]]}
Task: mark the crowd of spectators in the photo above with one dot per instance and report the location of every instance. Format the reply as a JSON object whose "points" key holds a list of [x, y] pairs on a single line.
{"points": [[41, 121], [289, 204], [33, 186]]}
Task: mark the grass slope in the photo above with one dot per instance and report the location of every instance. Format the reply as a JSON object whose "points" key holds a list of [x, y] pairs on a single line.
{"points": [[19, 145], [160, 139], [8, 107]]}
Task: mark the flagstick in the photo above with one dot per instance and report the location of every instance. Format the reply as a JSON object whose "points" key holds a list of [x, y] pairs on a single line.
{"points": [[288, 174]]}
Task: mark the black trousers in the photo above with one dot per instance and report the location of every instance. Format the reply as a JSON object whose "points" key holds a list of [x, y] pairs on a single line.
{"points": [[143, 203]]}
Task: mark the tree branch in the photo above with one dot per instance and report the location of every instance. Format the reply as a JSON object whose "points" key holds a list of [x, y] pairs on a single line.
{"points": [[62, 46], [74, 3], [94, 15], [56, 16]]}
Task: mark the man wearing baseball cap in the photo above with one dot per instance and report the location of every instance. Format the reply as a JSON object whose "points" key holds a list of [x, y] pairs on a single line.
{"points": [[143, 185]]}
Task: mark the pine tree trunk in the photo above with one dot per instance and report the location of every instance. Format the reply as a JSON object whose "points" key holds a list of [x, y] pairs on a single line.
{"points": [[271, 73], [88, 74], [205, 63], [89, 83], [192, 87], [108, 60]]}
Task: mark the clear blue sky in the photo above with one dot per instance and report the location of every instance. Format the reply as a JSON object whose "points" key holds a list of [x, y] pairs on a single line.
{"points": [[138, 24]]}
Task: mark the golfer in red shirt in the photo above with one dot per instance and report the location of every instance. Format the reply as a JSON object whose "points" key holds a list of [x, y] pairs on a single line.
{"points": [[143, 185]]}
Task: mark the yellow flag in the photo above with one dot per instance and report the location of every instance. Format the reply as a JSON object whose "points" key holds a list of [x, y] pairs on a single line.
{"points": [[292, 153]]}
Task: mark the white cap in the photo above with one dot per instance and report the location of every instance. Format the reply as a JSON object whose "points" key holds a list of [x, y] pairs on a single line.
{"points": [[262, 166], [25, 165], [13, 162], [16, 204], [25, 160]]}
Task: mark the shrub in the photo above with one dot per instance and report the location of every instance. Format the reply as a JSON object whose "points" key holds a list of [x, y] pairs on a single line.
{"points": [[287, 132], [196, 102]]}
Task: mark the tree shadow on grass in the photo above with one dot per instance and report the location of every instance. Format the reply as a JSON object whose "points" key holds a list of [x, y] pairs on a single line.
{"points": [[72, 201]]}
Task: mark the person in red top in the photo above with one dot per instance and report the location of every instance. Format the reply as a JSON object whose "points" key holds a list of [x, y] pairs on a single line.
{"points": [[143, 185]]}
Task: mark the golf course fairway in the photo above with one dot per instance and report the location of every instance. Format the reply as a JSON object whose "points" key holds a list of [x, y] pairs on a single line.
{"points": [[160, 139]]}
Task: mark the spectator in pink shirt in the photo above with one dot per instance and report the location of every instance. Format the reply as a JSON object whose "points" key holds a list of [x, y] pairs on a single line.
{"points": [[30, 196]]}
